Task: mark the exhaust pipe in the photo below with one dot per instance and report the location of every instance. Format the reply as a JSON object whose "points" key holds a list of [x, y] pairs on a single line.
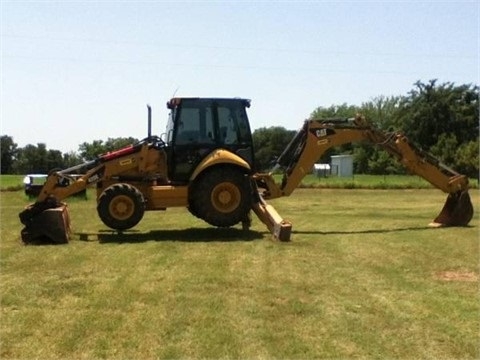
{"points": [[149, 130]]}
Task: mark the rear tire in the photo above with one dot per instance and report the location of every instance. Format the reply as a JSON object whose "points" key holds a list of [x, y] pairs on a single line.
{"points": [[221, 196], [121, 206]]}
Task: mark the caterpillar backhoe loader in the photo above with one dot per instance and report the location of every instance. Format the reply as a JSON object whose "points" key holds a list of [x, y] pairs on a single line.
{"points": [[205, 162]]}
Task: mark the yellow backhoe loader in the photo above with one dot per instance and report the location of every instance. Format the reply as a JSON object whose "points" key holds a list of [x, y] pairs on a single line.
{"points": [[205, 163]]}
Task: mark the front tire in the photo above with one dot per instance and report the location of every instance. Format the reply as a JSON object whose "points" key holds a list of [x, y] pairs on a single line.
{"points": [[121, 206], [221, 196]]}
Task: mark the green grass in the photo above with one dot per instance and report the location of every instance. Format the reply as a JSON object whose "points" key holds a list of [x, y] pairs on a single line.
{"points": [[11, 182], [367, 182], [363, 277], [14, 182]]}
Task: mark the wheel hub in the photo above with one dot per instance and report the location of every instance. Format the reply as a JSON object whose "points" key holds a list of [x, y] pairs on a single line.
{"points": [[225, 197], [121, 207]]}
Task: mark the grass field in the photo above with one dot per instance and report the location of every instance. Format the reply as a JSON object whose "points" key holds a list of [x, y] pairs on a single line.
{"points": [[14, 182], [11, 182], [363, 277]]}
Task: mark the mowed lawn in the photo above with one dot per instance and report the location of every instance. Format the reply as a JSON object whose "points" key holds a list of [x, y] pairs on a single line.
{"points": [[363, 277]]}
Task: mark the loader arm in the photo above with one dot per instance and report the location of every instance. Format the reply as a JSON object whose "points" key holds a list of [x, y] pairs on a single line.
{"points": [[48, 216], [317, 136], [55, 184]]}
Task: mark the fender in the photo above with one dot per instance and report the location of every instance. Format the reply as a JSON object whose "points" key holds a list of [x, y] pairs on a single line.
{"points": [[220, 156]]}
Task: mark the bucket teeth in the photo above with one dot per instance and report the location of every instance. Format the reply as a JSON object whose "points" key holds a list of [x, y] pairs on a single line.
{"points": [[457, 211]]}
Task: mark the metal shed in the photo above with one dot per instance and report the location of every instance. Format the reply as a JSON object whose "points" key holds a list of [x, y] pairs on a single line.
{"points": [[342, 165]]}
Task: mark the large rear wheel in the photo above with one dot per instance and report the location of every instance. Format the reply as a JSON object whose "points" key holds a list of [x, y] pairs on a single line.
{"points": [[221, 196], [121, 206]]}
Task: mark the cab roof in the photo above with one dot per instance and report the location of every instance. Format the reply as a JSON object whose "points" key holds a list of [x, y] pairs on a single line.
{"points": [[175, 101]]}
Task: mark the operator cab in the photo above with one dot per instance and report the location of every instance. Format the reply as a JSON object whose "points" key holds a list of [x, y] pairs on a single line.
{"points": [[198, 126]]}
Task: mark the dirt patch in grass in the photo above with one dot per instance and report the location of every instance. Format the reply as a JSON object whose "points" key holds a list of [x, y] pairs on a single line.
{"points": [[468, 276]]}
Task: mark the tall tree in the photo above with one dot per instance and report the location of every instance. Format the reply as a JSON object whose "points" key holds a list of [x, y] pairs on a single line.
{"points": [[343, 111], [54, 160], [29, 162], [8, 154], [467, 158], [380, 112], [269, 143], [71, 159], [334, 111], [431, 110], [90, 151]]}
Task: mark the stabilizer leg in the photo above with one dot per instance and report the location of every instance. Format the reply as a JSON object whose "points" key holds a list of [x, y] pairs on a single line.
{"points": [[280, 228]]}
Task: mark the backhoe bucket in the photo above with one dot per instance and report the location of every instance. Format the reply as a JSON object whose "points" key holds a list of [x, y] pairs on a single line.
{"points": [[457, 211], [49, 226]]}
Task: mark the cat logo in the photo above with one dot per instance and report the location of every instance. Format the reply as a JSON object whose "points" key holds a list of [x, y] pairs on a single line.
{"points": [[321, 133]]}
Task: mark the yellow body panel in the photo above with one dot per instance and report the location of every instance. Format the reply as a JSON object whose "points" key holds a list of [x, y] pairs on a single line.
{"points": [[165, 196], [219, 156]]}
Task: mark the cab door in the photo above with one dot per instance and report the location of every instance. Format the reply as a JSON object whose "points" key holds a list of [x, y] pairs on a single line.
{"points": [[199, 126], [233, 128], [193, 137]]}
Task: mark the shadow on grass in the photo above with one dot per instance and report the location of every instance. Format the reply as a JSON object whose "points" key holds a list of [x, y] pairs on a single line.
{"points": [[183, 235], [368, 231]]}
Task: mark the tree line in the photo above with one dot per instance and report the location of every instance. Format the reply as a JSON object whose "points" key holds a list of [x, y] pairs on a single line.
{"points": [[442, 119], [37, 159]]}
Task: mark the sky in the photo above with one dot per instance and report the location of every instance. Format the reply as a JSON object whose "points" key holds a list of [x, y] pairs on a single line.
{"points": [[78, 71]]}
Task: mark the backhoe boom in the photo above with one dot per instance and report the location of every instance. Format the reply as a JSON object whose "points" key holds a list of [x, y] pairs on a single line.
{"points": [[317, 136]]}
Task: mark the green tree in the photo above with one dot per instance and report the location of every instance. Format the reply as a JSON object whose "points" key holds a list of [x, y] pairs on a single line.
{"points": [[343, 111], [41, 161], [269, 143], [113, 144], [381, 111], [361, 157], [382, 163], [54, 160], [90, 151], [9, 152], [431, 110], [29, 161], [334, 111], [445, 149], [71, 159], [371, 159], [467, 158]]}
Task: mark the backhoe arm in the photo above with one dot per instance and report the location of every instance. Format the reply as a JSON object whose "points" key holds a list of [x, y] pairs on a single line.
{"points": [[424, 165], [317, 136], [310, 143]]}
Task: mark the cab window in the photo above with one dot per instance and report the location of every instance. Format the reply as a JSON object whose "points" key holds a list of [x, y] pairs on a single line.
{"points": [[195, 125], [233, 123]]}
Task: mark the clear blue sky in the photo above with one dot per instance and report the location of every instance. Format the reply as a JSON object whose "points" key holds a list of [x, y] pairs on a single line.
{"points": [[75, 71]]}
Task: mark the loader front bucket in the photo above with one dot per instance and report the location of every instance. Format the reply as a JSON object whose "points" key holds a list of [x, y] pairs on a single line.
{"points": [[45, 224], [457, 211]]}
